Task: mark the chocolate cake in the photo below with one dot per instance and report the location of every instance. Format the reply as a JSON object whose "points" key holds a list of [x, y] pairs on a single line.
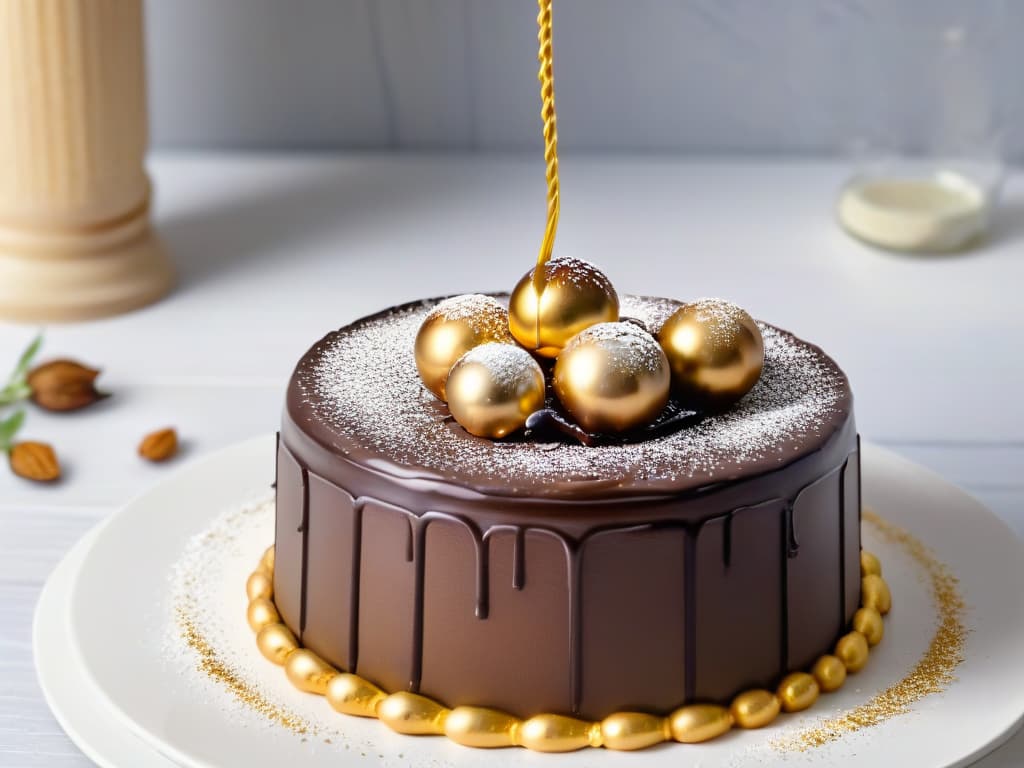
{"points": [[537, 575]]}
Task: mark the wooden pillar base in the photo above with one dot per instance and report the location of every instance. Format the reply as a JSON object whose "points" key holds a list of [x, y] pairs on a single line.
{"points": [[39, 284], [75, 238]]}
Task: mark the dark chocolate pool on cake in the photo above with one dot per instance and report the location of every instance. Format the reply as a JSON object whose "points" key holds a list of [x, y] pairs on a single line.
{"points": [[551, 577]]}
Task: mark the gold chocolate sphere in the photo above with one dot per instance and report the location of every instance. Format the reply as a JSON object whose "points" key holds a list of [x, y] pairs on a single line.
{"points": [[852, 650], [612, 377], [868, 622], [481, 727], [276, 642], [412, 714], [755, 709], [451, 329], [869, 564], [571, 295], [493, 388], [830, 672], [874, 593], [353, 695], [695, 723], [308, 672], [715, 350], [797, 691], [633, 730]]}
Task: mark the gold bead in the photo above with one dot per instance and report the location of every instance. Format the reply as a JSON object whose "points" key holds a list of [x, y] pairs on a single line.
{"points": [[267, 561], [276, 642], [869, 564], [612, 377], [260, 613], [874, 593], [412, 714], [869, 623], [715, 351], [695, 723], [493, 388], [852, 650], [797, 691], [451, 329], [830, 672], [481, 727], [558, 733], [259, 584], [573, 295], [308, 672], [754, 709], [633, 730], [352, 695]]}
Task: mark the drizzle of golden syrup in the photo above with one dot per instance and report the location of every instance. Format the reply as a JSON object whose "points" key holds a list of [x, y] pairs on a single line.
{"points": [[546, 77]]}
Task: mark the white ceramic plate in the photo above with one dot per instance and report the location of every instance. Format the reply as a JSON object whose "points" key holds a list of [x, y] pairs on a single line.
{"points": [[119, 606]]}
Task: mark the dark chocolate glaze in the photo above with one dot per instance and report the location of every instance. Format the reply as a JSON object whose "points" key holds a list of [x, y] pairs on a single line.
{"points": [[582, 597], [345, 436]]}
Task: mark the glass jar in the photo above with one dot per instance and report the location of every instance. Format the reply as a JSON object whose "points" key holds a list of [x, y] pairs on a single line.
{"points": [[927, 140]]}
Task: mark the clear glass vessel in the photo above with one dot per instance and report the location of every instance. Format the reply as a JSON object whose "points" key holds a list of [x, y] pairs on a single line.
{"points": [[927, 130]]}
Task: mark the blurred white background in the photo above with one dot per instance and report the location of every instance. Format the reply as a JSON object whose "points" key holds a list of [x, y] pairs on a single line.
{"points": [[699, 76]]}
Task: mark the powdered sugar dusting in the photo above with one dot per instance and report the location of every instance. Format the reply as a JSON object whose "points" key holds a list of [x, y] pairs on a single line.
{"points": [[636, 348], [470, 306], [655, 310], [572, 271], [484, 313], [722, 318], [207, 641], [506, 363], [362, 383]]}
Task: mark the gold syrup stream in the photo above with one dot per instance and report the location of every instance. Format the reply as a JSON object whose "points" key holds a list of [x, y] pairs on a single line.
{"points": [[546, 77]]}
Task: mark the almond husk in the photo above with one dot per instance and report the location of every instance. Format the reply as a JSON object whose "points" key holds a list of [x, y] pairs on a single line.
{"points": [[64, 385]]}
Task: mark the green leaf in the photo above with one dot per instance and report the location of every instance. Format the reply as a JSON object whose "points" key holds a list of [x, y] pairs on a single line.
{"points": [[9, 428], [14, 393], [25, 361]]}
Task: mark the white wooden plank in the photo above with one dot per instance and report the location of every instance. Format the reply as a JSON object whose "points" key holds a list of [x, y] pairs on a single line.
{"points": [[36, 538], [29, 736], [98, 446]]}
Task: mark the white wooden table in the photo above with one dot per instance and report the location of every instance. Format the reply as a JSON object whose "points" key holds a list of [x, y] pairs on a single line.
{"points": [[276, 250]]}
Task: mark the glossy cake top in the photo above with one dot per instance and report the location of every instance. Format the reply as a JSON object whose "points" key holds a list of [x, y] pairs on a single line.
{"points": [[358, 393]]}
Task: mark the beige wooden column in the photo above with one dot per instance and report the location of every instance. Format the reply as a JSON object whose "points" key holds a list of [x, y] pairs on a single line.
{"points": [[75, 238]]}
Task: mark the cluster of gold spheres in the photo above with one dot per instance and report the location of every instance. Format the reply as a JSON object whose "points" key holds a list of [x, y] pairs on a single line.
{"points": [[610, 375]]}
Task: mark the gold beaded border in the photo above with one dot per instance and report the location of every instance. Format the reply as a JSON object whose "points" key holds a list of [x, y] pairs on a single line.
{"points": [[417, 715]]}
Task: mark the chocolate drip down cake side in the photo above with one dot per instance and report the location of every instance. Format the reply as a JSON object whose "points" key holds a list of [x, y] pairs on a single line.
{"points": [[537, 574]]}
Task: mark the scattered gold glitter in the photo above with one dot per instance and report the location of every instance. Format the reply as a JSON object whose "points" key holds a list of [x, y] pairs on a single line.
{"points": [[211, 665], [209, 662], [934, 670]]}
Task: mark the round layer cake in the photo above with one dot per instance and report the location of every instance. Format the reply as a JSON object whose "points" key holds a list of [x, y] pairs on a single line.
{"points": [[537, 576]]}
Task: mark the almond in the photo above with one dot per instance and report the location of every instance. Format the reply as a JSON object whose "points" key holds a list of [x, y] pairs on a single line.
{"points": [[63, 385], [35, 461], [159, 446]]}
